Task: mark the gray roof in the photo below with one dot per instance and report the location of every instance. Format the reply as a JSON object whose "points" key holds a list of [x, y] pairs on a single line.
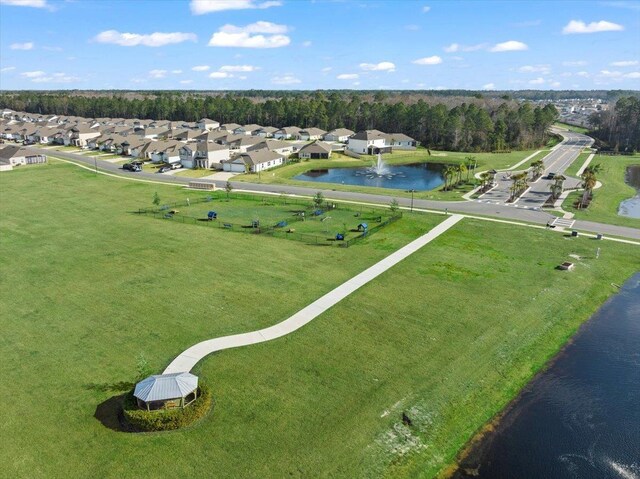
{"points": [[316, 147], [368, 135], [257, 157], [162, 387], [313, 131], [11, 151], [341, 132]]}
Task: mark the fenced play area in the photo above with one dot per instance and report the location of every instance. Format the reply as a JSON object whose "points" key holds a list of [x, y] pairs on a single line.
{"points": [[322, 223]]}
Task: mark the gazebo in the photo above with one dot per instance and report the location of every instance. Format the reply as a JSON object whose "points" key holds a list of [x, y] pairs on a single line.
{"points": [[166, 391]]}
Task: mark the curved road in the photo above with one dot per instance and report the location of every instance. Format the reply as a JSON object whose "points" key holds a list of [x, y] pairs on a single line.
{"points": [[517, 212]]}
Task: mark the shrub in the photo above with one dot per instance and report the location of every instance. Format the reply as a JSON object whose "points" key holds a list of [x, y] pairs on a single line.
{"points": [[165, 420]]}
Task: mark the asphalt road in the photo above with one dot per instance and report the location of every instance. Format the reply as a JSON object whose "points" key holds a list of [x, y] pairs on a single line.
{"points": [[513, 212]]}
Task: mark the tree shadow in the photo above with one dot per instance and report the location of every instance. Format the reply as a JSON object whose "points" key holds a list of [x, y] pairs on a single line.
{"points": [[109, 387]]}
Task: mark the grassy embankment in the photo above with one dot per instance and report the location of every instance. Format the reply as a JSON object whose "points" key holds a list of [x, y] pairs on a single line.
{"points": [[449, 335], [574, 128], [607, 199], [486, 161]]}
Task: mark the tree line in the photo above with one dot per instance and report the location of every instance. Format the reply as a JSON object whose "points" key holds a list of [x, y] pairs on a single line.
{"points": [[467, 126], [618, 128]]}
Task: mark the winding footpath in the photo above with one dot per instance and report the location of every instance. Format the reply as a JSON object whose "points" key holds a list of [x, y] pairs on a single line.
{"points": [[189, 358]]}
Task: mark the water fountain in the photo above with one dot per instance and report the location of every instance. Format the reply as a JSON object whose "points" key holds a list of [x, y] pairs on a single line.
{"points": [[380, 167]]}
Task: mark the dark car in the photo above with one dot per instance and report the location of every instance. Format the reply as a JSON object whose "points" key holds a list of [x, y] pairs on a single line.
{"points": [[164, 169], [551, 176], [131, 167]]}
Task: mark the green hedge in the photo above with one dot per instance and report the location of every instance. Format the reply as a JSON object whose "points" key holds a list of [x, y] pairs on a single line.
{"points": [[165, 420]]}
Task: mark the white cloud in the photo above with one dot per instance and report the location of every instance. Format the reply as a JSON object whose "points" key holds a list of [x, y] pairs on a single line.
{"points": [[456, 47], [426, 9], [220, 75], [356, 83], [186, 82], [35, 74], [158, 73], [537, 81], [307, 44], [57, 78], [489, 86], [285, 80], [545, 69], [200, 7], [578, 26], [156, 39], [238, 68], [509, 46], [578, 63], [7, 69], [610, 74], [382, 66], [555, 84], [348, 76], [434, 60], [200, 68], [626, 63], [176, 72], [255, 35], [582, 74], [26, 3], [632, 75], [327, 69], [22, 46]]}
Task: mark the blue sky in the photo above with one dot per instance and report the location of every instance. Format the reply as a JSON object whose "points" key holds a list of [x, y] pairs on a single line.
{"points": [[321, 44]]}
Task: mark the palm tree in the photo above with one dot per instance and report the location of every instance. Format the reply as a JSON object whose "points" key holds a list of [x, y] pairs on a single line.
{"points": [[485, 176], [537, 167], [557, 187], [470, 162], [460, 169], [448, 174], [588, 183], [519, 184]]}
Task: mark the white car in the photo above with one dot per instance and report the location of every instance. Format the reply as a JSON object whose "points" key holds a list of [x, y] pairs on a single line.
{"points": [[175, 166]]}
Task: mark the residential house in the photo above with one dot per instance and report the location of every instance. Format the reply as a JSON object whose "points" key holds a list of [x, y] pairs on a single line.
{"points": [[285, 148], [239, 143], [254, 161], [81, 133], [204, 155], [266, 131], [369, 142], [229, 127], [207, 124], [311, 134], [286, 133], [211, 136], [247, 130], [339, 134], [14, 155], [400, 141], [318, 150], [165, 151]]}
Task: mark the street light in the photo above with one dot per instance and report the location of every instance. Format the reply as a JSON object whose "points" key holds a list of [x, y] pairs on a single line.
{"points": [[412, 192]]}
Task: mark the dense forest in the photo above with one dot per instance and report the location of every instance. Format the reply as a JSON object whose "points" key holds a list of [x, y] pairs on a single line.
{"points": [[471, 125], [618, 128]]}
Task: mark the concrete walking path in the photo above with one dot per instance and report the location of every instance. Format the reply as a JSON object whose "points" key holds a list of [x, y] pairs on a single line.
{"points": [[189, 358]]}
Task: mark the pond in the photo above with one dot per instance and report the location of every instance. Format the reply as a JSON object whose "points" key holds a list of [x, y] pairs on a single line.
{"points": [[581, 417], [631, 207], [418, 176]]}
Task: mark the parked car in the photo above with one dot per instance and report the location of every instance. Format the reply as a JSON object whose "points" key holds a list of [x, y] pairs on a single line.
{"points": [[164, 169], [551, 176], [131, 167], [175, 166]]}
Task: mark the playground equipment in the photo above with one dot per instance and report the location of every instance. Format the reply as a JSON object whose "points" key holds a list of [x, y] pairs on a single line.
{"points": [[212, 215]]}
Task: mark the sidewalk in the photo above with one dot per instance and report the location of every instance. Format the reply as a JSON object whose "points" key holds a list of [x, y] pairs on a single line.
{"points": [[189, 358]]}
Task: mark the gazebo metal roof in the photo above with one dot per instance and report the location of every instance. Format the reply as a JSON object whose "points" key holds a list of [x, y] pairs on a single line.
{"points": [[162, 387]]}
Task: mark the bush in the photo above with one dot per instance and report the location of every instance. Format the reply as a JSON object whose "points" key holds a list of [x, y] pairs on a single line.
{"points": [[165, 420]]}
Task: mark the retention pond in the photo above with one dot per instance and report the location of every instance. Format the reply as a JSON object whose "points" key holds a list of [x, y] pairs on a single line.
{"points": [[631, 207], [580, 418]]}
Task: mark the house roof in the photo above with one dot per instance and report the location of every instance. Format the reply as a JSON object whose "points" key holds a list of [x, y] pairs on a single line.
{"points": [[162, 387], [289, 130], [341, 132], [257, 157], [229, 126], [251, 127], [269, 145], [269, 129], [313, 131], [211, 136], [368, 135], [12, 151], [399, 137], [207, 121], [316, 147]]}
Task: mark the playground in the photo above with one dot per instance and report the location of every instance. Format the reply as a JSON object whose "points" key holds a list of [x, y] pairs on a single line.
{"points": [[312, 222]]}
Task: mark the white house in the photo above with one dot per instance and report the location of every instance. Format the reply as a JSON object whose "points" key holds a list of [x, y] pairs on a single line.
{"points": [[339, 134], [266, 132], [165, 152], [311, 134], [207, 124], [286, 133], [81, 133], [400, 141], [203, 155], [285, 148], [368, 142], [13, 155], [250, 129], [318, 150], [254, 161]]}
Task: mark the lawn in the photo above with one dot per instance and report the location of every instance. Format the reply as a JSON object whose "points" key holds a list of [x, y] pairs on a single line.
{"points": [[486, 161], [577, 163], [191, 173], [607, 199], [449, 335], [574, 128], [298, 219]]}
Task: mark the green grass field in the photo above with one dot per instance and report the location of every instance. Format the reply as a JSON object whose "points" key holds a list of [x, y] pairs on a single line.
{"points": [[449, 335], [486, 161], [576, 129], [573, 168], [607, 199], [191, 173]]}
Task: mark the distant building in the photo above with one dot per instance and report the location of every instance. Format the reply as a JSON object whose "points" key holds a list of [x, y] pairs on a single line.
{"points": [[318, 150], [13, 155]]}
